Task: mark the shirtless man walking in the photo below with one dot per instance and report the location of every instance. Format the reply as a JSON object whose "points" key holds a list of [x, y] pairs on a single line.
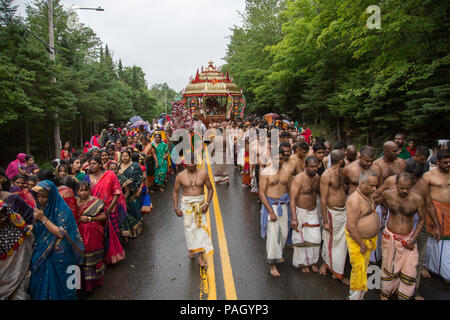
{"points": [[361, 231], [333, 198], [390, 163], [297, 160], [275, 214], [420, 188], [352, 172], [399, 247], [438, 183], [306, 235], [194, 206]]}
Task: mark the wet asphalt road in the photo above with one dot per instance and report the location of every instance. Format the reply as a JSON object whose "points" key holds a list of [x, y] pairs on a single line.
{"points": [[157, 266]]}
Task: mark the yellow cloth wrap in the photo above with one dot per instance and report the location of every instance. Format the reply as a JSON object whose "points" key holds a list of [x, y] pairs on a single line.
{"points": [[195, 208], [359, 261]]}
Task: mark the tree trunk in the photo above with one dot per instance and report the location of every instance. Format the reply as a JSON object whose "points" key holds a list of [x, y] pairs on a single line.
{"points": [[27, 137], [338, 130], [81, 132]]}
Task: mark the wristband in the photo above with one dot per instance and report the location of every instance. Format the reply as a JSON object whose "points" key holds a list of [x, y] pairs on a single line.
{"points": [[89, 219], [45, 222]]}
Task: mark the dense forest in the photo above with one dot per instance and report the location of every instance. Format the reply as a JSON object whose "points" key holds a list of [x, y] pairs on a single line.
{"points": [[91, 88], [317, 61]]}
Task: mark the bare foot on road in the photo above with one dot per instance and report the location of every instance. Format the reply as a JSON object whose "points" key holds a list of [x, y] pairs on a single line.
{"points": [[323, 269], [274, 271], [425, 273]]}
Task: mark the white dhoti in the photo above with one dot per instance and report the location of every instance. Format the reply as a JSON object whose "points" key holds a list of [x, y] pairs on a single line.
{"points": [[334, 248], [254, 183], [277, 232], [197, 235], [307, 241], [375, 257], [437, 258]]}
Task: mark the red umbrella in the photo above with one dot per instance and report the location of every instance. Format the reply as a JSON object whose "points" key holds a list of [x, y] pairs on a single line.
{"points": [[273, 115]]}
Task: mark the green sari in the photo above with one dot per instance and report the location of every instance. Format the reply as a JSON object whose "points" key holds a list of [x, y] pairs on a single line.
{"points": [[161, 171], [132, 226]]}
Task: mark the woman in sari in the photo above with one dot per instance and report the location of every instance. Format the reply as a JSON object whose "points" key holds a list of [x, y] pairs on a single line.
{"points": [[92, 229], [19, 187], [15, 166], [16, 247], [132, 226], [113, 154], [104, 155], [67, 189], [58, 246], [75, 169], [150, 154], [162, 152], [146, 201], [130, 142], [30, 168], [61, 171], [106, 186]]}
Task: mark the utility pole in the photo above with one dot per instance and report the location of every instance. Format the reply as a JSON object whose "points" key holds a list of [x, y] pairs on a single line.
{"points": [[165, 97], [51, 42]]}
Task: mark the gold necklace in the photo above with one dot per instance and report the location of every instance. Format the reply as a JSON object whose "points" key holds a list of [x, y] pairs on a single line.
{"points": [[195, 182], [370, 201]]}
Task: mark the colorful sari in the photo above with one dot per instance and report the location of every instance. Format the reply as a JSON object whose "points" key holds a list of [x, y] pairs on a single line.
{"points": [[146, 201], [132, 225], [246, 172], [161, 170], [14, 166], [52, 256], [25, 195], [93, 234], [16, 249], [106, 188], [150, 164], [69, 197]]}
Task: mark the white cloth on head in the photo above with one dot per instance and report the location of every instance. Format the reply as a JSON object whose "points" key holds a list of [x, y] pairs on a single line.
{"points": [[197, 235], [277, 232], [334, 248], [307, 241]]}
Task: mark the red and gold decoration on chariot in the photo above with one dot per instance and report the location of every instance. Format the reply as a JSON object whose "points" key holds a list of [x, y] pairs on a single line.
{"points": [[213, 95]]}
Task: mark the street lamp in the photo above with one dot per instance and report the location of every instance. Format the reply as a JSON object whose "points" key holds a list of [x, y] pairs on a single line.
{"points": [[51, 36]]}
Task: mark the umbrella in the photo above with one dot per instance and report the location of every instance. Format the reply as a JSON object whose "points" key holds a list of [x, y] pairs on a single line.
{"points": [[286, 121], [135, 119], [140, 123], [273, 115]]}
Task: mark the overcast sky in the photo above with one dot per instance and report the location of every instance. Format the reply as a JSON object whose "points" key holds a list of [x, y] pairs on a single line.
{"points": [[168, 39]]}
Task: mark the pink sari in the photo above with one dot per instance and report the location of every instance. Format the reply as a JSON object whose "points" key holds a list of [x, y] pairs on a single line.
{"points": [[92, 233], [69, 198], [106, 188]]}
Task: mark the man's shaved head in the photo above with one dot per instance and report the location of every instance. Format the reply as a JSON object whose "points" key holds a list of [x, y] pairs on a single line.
{"points": [[352, 152], [389, 145], [391, 150]]}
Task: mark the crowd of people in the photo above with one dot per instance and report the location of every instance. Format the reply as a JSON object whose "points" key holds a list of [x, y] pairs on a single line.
{"points": [[81, 213], [330, 200], [321, 198]]}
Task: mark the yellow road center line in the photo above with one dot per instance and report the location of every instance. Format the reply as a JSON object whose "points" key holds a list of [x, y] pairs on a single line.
{"points": [[230, 290], [210, 281]]}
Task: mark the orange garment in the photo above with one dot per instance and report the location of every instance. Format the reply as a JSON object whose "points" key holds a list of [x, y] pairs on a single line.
{"points": [[443, 214]]}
